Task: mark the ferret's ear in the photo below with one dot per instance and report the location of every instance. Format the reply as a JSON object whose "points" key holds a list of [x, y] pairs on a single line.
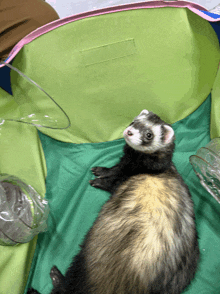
{"points": [[145, 111], [169, 133]]}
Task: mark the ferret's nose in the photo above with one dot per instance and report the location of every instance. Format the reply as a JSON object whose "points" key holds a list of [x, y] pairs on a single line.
{"points": [[129, 133]]}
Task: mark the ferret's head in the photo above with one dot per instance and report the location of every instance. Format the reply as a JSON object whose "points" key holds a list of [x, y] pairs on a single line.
{"points": [[148, 133]]}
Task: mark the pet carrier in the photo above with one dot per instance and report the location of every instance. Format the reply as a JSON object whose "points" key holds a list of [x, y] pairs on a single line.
{"points": [[76, 83]]}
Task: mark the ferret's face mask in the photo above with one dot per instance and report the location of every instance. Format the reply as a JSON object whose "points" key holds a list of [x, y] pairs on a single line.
{"points": [[148, 133]]}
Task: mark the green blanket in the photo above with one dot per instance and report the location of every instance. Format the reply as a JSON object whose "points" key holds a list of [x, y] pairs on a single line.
{"points": [[75, 204]]}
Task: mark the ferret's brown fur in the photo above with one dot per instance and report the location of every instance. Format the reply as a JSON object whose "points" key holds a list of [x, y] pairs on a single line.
{"points": [[144, 240], [136, 234]]}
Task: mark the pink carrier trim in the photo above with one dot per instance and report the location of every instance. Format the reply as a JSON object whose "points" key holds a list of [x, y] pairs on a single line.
{"points": [[142, 5]]}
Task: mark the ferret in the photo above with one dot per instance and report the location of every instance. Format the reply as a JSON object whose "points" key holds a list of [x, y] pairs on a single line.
{"points": [[144, 240]]}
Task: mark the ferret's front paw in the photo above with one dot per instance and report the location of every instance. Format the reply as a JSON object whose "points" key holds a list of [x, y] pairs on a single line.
{"points": [[97, 183], [99, 171]]}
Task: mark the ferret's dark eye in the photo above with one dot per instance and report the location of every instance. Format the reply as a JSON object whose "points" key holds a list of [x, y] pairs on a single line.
{"points": [[149, 136]]}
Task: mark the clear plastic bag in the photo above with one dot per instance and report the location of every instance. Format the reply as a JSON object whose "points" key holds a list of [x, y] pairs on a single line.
{"points": [[206, 164], [32, 104], [23, 212]]}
